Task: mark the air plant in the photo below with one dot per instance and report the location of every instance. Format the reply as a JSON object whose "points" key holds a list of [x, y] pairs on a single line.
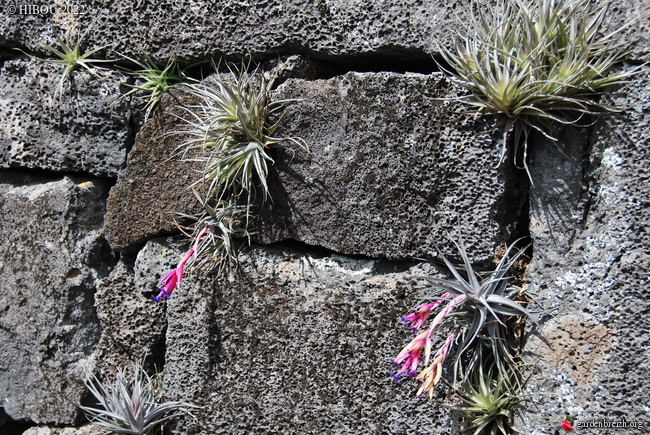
{"points": [[132, 404], [70, 55], [538, 63], [154, 82], [230, 135], [226, 233], [476, 308], [489, 400], [230, 126]]}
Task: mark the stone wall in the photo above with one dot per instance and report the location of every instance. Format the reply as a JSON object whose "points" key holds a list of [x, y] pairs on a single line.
{"points": [[300, 338]]}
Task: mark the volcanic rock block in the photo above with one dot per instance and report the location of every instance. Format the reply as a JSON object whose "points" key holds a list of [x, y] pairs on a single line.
{"points": [[594, 282], [83, 430], [298, 341], [201, 29], [85, 129], [154, 188], [53, 254], [132, 325], [347, 31], [391, 169]]}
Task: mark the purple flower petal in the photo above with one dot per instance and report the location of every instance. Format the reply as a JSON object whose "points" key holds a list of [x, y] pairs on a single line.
{"points": [[162, 295], [397, 376]]}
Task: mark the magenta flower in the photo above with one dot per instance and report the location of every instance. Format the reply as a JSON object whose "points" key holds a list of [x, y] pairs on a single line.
{"points": [[421, 314], [173, 278], [409, 357]]}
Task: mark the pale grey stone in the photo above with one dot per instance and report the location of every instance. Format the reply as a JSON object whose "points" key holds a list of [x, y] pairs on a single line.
{"points": [[84, 129], [594, 283], [53, 255]]}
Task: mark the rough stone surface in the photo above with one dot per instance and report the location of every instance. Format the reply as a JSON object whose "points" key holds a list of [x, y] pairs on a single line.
{"points": [[390, 171], [342, 30], [83, 130], [53, 254], [594, 286], [153, 189], [558, 197], [132, 325], [201, 29], [298, 342], [83, 430]]}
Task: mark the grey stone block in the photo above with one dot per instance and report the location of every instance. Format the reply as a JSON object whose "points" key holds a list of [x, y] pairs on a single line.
{"points": [[46, 430], [346, 31], [53, 255], [83, 130], [132, 326], [202, 29], [298, 342], [153, 189], [594, 283], [391, 170]]}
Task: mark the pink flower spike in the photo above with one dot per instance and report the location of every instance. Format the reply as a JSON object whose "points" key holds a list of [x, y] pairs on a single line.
{"points": [[409, 357], [427, 349], [199, 237], [168, 283], [174, 278], [431, 375], [415, 320]]}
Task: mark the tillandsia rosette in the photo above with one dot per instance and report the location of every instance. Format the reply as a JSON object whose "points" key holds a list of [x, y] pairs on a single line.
{"points": [[538, 63], [474, 308], [152, 82], [489, 399], [71, 56], [133, 403], [229, 134]]}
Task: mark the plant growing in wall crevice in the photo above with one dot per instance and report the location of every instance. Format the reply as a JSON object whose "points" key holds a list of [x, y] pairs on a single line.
{"points": [[154, 82], [475, 308], [71, 56], [537, 63], [228, 133], [133, 403], [489, 400]]}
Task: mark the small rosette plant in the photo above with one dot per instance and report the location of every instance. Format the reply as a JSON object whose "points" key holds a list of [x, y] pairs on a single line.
{"points": [[476, 309], [537, 63], [230, 126], [154, 82], [489, 399], [132, 404], [71, 56], [229, 133]]}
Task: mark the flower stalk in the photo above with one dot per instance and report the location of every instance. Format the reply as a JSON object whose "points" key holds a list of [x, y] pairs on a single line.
{"points": [[432, 374]]}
